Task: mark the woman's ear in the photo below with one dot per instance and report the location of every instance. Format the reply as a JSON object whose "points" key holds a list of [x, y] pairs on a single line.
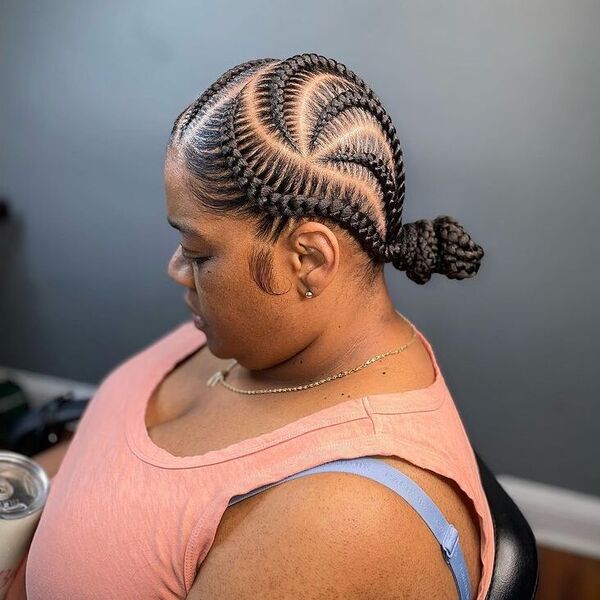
{"points": [[315, 255]]}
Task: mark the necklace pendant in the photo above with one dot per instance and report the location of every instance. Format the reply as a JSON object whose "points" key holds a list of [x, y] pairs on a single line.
{"points": [[215, 379]]}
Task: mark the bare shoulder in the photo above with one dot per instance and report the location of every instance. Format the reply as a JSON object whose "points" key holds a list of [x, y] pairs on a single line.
{"points": [[456, 507], [326, 535]]}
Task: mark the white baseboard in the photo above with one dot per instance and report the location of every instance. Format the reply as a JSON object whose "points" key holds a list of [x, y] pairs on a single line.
{"points": [[41, 388], [560, 518]]}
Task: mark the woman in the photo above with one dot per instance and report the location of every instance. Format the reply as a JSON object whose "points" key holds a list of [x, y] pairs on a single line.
{"points": [[286, 182]]}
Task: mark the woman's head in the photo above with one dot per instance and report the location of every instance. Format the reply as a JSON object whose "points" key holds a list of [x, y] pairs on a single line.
{"points": [[296, 170]]}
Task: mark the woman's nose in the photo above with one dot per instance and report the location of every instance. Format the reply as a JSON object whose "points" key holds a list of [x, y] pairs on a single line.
{"points": [[180, 269]]}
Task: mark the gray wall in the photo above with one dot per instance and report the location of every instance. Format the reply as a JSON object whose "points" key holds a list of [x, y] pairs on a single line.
{"points": [[496, 105]]}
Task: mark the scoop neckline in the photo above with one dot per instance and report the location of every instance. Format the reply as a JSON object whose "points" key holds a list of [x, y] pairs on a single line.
{"points": [[186, 339]]}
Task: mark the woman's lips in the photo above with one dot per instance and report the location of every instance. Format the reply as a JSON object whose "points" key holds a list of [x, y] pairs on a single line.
{"points": [[198, 321]]}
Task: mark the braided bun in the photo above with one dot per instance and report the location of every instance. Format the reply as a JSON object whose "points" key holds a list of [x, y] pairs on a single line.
{"points": [[439, 246]]}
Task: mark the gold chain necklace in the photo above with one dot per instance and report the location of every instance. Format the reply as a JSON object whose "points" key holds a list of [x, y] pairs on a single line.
{"points": [[219, 376]]}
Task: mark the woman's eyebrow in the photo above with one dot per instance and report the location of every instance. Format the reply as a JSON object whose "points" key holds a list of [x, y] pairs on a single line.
{"points": [[184, 227]]}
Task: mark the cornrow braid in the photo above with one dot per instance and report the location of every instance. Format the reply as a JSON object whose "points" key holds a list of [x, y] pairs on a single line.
{"points": [[191, 112], [375, 165], [350, 216], [306, 137], [317, 63]]}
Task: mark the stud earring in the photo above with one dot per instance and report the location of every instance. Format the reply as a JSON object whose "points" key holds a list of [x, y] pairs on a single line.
{"points": [[308, 294]]}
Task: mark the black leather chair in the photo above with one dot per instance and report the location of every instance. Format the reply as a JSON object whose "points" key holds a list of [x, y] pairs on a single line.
{"points": [[515, 574]]}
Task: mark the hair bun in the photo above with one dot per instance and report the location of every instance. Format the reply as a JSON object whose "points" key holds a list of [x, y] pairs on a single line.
{"points": [[439, 246]]}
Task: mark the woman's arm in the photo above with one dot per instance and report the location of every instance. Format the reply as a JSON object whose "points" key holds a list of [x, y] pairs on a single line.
{"points": [[51, 459]]}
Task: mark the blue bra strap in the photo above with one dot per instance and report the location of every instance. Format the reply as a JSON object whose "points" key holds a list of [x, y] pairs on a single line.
{"points": [[378, 470]]}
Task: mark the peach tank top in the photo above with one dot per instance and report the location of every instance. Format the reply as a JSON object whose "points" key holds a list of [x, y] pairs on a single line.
{"points": [[126, 519]]}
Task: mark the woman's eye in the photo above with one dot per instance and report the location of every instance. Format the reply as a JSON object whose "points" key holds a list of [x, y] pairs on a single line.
{"points": [[197, 259]]}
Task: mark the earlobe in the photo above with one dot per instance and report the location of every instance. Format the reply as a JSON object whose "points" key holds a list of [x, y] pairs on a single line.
{"points": [[309, 255]]}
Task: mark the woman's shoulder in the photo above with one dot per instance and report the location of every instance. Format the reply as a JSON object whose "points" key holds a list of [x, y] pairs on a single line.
{"points": [[340, 510], [454, 504]]}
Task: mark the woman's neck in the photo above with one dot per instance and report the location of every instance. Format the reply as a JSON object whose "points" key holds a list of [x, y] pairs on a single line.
{"points": [[349, 338]]}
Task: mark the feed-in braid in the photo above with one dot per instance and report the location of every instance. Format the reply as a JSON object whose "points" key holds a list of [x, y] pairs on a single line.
{"points": [[349, 215], [375, 165], [307, 138], [191, 112], [317, 63]]}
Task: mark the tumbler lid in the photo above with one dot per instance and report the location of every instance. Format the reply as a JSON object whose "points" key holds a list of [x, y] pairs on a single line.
{"points": [[24, 485]]}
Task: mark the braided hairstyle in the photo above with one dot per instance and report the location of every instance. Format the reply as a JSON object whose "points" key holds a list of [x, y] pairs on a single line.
{"points": [[306, 138]]}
